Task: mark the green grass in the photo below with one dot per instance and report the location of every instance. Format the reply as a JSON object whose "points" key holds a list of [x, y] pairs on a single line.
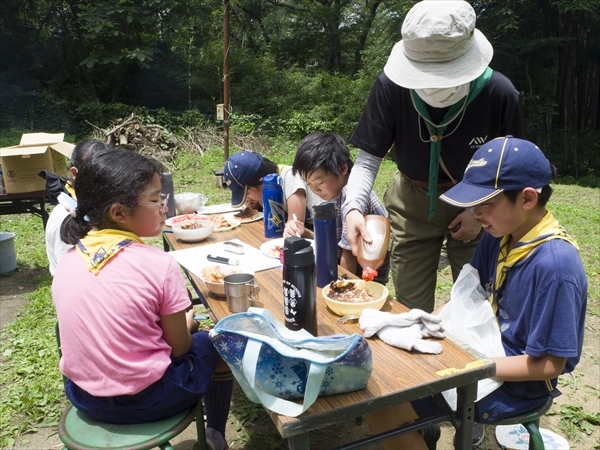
{"points": [[30, 382]]}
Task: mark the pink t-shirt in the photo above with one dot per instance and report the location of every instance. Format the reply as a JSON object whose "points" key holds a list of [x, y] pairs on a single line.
{"points": [[111, 340]]}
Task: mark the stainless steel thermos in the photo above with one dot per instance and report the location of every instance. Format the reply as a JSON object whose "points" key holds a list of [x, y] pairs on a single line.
{"points": [[166, 180], [326, 242], [299, 285]]}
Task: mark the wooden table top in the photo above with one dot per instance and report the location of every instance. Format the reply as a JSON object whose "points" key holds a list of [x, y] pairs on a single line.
{"points": [[398, 376]]}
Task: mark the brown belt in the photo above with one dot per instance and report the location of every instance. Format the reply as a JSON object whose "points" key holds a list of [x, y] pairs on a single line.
{"points": [[424, 185]]}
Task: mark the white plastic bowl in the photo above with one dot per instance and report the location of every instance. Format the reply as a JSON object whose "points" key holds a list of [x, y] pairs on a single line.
{"points": [[195, 234], [343, 308], [189, 202]]}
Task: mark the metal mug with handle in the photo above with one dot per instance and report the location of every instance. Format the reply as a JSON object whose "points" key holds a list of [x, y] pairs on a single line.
{"points": [[241, 291]]}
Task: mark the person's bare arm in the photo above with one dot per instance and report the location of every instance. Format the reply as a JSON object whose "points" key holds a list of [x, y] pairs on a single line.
{"points": [[177, 331], [296, 204], [528, 368], [348, 261]]}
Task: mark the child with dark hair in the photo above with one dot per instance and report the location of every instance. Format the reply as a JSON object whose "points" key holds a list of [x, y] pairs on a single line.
{"points": [[55, 247], [533, 274], [243, 174], [323, 161], [131, 349]]}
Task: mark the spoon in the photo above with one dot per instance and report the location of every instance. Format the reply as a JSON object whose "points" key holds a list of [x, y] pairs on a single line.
{"points": [[347, 318]]}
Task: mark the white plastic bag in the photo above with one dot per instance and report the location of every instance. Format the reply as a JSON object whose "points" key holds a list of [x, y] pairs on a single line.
{"points": [[469, 317]]}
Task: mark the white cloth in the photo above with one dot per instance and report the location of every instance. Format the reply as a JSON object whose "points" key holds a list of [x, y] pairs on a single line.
{"points": [[55, 247], [405, 330], [291, 184]]}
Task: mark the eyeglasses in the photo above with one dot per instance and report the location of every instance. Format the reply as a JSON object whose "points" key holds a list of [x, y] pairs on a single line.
{"points": [[163, 206]]}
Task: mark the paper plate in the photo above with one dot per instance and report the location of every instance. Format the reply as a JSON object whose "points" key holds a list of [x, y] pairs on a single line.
{"points": [[516, 437]]}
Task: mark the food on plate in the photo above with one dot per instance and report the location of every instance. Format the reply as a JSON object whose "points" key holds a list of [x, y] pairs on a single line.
{"points": [[221, 222], [348, 292], [186, 217], [275, 251], [214, 274], [247, 214], [193, 225]]}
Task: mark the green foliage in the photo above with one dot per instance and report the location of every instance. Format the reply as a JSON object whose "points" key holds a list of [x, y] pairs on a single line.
{"points": [[32, 389], [574, 419]]}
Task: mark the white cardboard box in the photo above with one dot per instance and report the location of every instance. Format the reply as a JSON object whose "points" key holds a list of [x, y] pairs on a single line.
{"points": [[36, 152]]}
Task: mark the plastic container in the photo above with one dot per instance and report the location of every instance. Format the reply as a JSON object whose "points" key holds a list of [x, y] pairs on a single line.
{"points": [[8, 257], [167, 188], [371, 256], [326, 242], [273, 208], [299, 285]]}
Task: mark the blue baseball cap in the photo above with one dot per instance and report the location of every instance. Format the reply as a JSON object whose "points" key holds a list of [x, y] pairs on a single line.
{"points": [[502, 164], [240, 169]]}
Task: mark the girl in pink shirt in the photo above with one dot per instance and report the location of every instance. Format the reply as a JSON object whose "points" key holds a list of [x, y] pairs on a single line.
{"points": [[132, 351]]}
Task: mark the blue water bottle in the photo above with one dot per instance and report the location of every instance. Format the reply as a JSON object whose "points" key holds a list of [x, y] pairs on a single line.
{"points": [[273, 209], [326, 242]]}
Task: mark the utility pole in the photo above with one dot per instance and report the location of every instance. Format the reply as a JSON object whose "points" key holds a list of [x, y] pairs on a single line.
{"points": [[226, 100]]}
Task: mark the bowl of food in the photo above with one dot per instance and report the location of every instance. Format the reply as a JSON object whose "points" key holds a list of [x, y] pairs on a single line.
{"points": [[193, 230], [213, 275], [345, 297], [189, 202]]}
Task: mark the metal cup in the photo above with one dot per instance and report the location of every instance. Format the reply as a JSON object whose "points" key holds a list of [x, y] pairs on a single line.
{"points": [[241, 291]]}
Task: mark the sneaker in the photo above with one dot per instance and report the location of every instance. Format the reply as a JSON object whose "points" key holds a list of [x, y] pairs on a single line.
{"points": [[443, 262], [478, 435], [431, 434], [215, 440]]}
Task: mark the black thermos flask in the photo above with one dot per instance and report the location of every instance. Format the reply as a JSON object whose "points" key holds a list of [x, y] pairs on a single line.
{"points": [[299, 285]]}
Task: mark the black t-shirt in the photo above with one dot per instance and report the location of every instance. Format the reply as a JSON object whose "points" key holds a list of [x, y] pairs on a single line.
{"points": [[390, 119]]}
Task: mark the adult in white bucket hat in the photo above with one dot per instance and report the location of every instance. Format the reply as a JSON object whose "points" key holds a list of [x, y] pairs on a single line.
{"points": [[435, 103]]}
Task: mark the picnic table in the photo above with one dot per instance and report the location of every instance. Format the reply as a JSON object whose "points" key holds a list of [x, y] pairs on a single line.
{"points": [[398, 376]]}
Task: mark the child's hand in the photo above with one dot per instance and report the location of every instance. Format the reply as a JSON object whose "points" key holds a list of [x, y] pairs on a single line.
{"points": [[192, 325], [293, 228]]}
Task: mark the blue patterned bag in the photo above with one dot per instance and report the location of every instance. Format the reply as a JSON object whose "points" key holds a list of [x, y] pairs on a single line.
{"points": [[274, 365]]}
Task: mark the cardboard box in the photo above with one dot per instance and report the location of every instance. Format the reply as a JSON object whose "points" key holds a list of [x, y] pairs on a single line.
{"points": [[36, 152]]}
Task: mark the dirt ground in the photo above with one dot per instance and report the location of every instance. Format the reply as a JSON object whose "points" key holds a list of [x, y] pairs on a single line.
{"points": [[580, 389]]}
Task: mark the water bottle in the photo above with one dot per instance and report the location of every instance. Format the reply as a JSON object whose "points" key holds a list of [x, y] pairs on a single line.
{"points": [[167, 188], [299, 285], [326, 242], [273, 209]]}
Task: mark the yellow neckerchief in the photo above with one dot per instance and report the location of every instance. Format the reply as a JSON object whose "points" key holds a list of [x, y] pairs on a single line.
{"points": [[70, 189], [548, 228], [98, 246]]}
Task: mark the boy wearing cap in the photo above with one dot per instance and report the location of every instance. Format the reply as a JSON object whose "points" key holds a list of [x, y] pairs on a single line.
{"points": [[533, 274], [435, 103], [243, 174]]}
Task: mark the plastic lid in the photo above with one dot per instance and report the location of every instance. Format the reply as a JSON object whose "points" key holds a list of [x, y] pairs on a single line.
{"points": [[325, 211], [298, 252], [273, 179]]}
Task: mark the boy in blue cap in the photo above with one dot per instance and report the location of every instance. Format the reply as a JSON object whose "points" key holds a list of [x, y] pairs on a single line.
{"points": [[533, 274], [243, 174]]}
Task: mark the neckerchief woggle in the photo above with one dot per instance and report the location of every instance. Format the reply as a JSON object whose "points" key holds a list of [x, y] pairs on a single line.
{"points": [[98, 246], [548, 228], [436, 132]]}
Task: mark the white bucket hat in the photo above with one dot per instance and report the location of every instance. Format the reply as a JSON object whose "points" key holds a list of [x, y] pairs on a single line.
{"points": [[440, 47]]}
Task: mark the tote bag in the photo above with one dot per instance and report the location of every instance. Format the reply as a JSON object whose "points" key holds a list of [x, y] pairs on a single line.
{"points": [[274, 365]]}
